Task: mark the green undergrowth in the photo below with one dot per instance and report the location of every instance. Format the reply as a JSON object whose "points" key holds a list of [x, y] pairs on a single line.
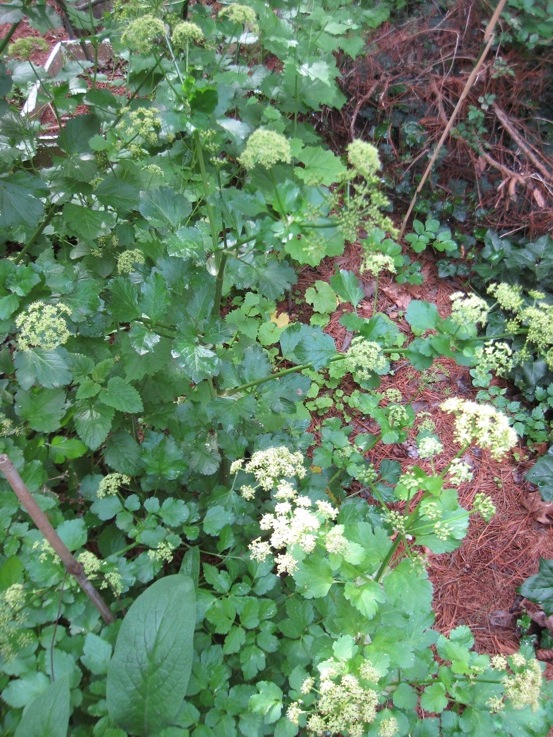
{"points": [[156, 402]]}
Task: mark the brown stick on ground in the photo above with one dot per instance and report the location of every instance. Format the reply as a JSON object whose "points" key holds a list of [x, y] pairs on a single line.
{"points": [[42, 522]]}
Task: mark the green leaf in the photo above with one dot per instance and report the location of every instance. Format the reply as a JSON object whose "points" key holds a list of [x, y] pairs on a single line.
{"points": [[122, 396], [190, 565], [122, 453], [155, 297], [11, 571], [43, 409], [93, 423], [197, 361], [124, 300], [541, 474], [47, 368], [85, 223], [48, 714], [434, 698], [320, 166], [118, 193], [62, 449], [216, 518], [307, 344], [18, 206], [347, 286], [72, 533], [539, 588], [422, 316], [268, 702], [96, 654], [365, 597], [314, 578], [322, 297], [148, 675], [234, 640], [77, 132], [164, 208]]}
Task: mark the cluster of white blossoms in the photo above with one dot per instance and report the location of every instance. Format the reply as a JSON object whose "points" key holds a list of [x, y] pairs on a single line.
{"points": [[364, 358], [185, 33], [13, 618], [496, 357], [481, 424], [127, 261], [111, 484], [270, 466], [94, 566], [468, 309], [484, 506], [42, 325], [265, 148], [294, 526], [344, 706], [459, 472], [429, 446], [143, 34], [508, 296]]}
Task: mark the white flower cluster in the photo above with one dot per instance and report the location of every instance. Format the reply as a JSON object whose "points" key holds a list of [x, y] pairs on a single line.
{"points": [[508, 296], [481, 424], [94, 566], [111, 484], [468, 308], [522, 686], [43, 325], [265, 148], [496, 357], [294, 527], [459, 472], [375, 263], [484, 506], [363, 157], [429, 446], [269, 466], [343, 707]]}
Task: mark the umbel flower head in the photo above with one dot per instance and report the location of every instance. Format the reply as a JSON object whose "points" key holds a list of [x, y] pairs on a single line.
{"points": [[363, 157], [364, 358], [186, 33], [142, 34], [241, 14], [481, 424], [468, 309], [265, 148], [42, 325]]}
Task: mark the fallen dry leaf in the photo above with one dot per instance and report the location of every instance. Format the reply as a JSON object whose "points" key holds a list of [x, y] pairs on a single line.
{"points": [[541, 511]]}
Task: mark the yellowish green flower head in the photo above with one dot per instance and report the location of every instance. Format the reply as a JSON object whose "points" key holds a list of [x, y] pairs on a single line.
{"points": [[484, 506], [344, 706], [508, 296], [43, 325], [364, 358], [375, 263], [265, 148], [128, 260], [143, 34], [24, 48], [482, 424], [139, 126], [363, 157], [110, 484], [186, 33], [242, 15]]}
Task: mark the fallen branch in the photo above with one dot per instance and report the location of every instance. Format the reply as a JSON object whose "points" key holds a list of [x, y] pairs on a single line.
{"points": [[71, 564], [512, 131]]}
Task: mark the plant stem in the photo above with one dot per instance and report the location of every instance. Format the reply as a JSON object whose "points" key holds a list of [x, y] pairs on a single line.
{"points": [[71, 564], [5, 41], [49, 215]]}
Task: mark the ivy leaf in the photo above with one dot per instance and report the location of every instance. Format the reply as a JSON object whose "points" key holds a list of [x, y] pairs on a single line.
{"points": [[122, 396], [539, 588], [148, 675], [541, 474], [422, 316], [47, 368], [93, 423], [347, 286], [48, 714], [43, 409]]}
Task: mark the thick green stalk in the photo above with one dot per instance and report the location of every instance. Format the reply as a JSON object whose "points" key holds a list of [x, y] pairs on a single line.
{"points": [[49, 215], [5, 41]]}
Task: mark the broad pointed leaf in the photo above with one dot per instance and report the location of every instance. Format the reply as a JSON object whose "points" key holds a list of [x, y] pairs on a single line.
{"points": [[48, 714]]}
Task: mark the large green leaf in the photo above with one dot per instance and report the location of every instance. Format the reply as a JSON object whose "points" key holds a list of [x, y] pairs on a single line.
{"points": [[122, 396], [48, 714], [306, 344], [41, 408], [149, 672], [93, 423], [539, 588], [422, 316], [86, 223], [347, 286], [18, 206], [47, 368], [164, 208]]}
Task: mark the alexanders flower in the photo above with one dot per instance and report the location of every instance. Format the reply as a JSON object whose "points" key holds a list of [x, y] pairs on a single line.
{"points": [[265, 148], [481, 424]]}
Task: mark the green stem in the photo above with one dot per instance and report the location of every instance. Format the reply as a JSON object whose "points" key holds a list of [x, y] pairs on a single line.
{"points": [[219, 284], [278, 375], [5, 41], [49, 215]]}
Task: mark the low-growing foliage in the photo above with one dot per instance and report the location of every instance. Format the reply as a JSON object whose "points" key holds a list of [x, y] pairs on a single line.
{"points": [[156, 402]]}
